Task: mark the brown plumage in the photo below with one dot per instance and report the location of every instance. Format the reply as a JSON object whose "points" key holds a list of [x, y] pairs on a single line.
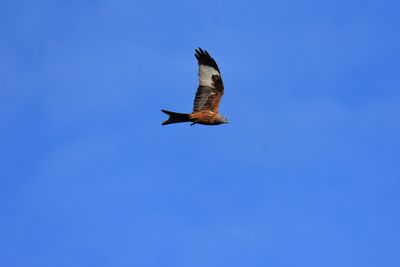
{"points": [[208, 95]]}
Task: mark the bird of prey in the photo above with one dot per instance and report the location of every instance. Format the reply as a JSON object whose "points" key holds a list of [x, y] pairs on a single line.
{"points": [[208, 95]]}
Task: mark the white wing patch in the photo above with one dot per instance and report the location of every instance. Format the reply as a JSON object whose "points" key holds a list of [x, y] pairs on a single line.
{"points": [[205, 73]]}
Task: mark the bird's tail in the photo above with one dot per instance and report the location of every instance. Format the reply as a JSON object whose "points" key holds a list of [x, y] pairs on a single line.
{"points": [[175, 117]]}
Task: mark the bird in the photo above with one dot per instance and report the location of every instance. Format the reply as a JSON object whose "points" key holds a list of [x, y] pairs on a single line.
{"points": [[208, 95]]}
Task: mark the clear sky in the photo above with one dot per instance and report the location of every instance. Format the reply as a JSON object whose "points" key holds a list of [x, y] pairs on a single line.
{"points": [[306, 173]]}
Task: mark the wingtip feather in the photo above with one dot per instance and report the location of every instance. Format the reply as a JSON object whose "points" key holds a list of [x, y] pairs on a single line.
{"points": [[204, 58]]}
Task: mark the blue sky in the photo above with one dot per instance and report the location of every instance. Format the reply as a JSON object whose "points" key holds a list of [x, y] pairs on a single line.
{"points": [[307, 172]]}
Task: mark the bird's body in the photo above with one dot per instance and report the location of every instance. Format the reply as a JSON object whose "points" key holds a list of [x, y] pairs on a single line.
{"points": [[208, 95]]}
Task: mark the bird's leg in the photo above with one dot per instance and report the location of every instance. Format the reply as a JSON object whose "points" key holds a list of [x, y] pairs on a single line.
{"points": [[192, 124]]}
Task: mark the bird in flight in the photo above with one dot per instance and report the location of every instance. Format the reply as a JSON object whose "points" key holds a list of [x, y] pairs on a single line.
{"points": [[208, 95]]}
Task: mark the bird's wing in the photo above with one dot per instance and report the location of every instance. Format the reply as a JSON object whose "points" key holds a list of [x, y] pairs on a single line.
{"points": [[211, 87]]}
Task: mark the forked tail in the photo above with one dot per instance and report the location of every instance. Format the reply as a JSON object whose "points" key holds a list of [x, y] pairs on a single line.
{"points": [[175, 117]]}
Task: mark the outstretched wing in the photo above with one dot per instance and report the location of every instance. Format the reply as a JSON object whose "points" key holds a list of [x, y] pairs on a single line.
{"points": [[210, 88]]}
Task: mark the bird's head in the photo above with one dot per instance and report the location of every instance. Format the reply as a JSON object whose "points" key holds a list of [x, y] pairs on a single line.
{"points": [[221, 119]]}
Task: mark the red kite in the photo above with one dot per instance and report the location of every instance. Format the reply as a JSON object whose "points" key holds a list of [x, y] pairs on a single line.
{"points": [[208, 95]]}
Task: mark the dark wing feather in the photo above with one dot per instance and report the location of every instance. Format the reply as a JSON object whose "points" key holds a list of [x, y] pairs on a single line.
{"points": [[204, 58], [211, 87]]}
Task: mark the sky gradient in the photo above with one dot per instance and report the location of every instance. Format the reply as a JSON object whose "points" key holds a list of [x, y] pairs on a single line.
{"points": [[306, 173]]}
